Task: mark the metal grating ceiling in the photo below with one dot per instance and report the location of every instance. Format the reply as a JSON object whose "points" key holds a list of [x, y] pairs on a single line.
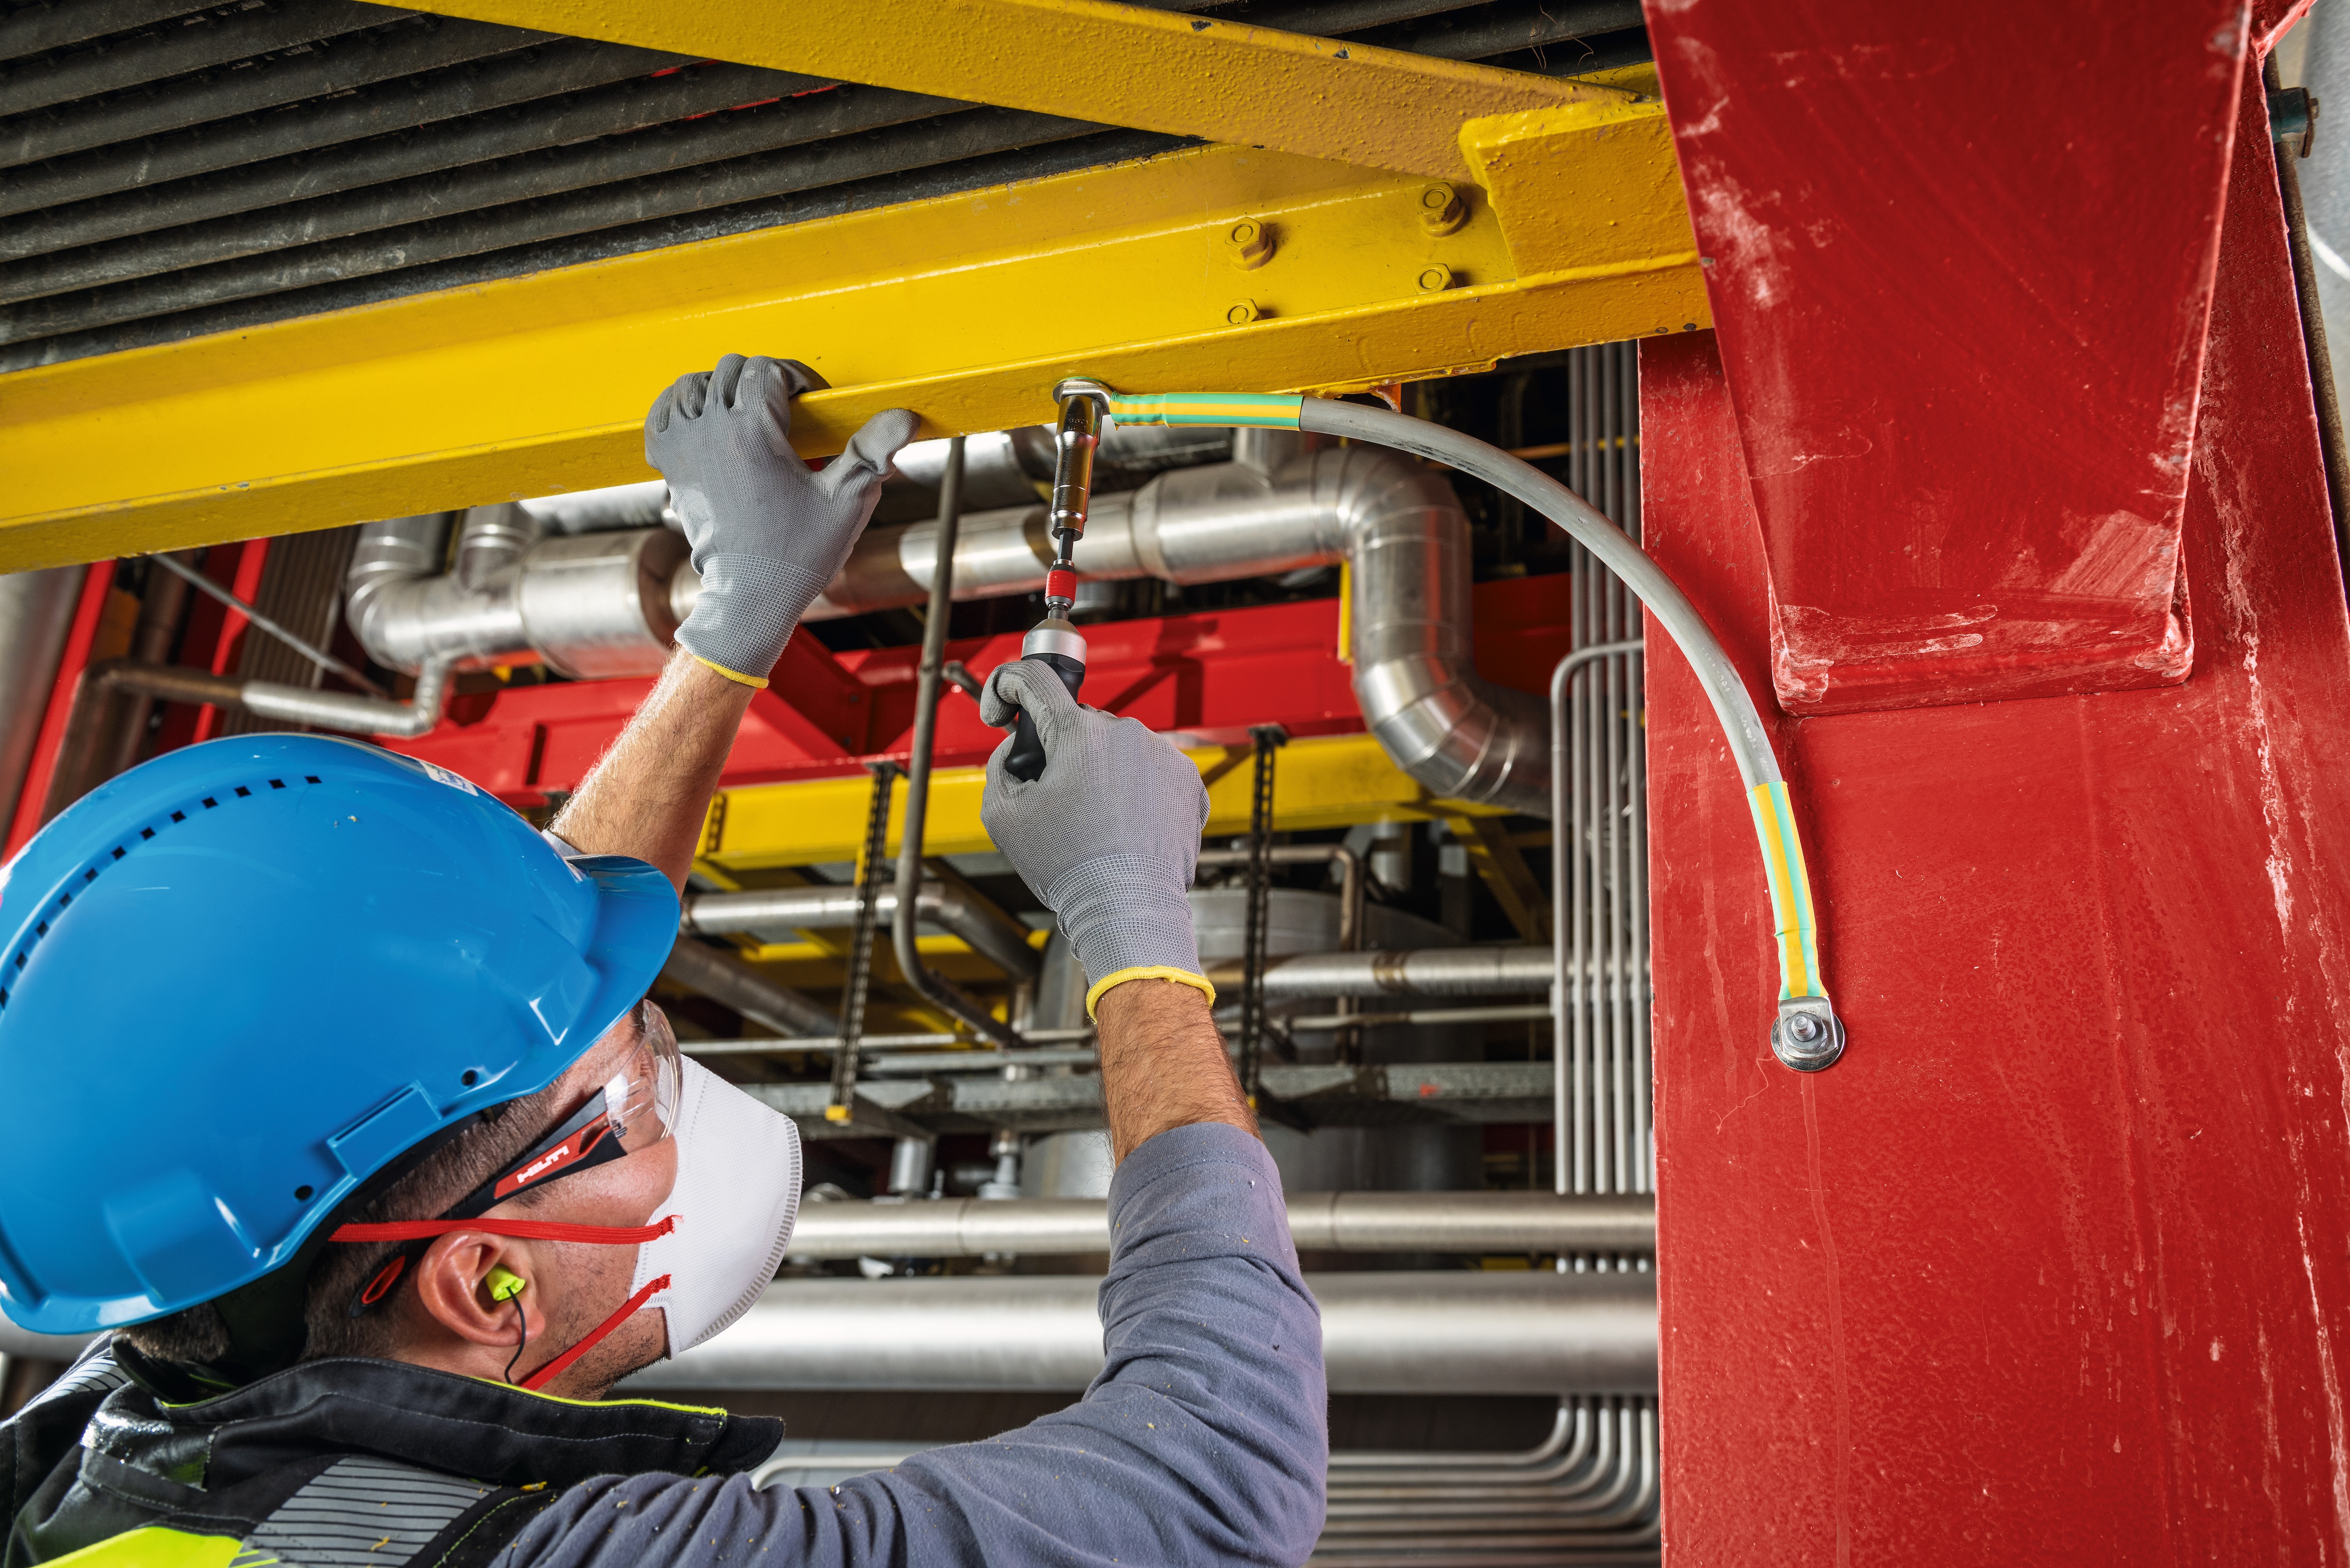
{"points": [[169, 169]]}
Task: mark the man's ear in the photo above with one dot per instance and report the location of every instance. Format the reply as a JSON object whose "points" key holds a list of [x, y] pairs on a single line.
{"points": [[455, 1288]]}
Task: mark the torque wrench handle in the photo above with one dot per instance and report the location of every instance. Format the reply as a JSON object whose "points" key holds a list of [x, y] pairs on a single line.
{"points": [[1061, 649]]}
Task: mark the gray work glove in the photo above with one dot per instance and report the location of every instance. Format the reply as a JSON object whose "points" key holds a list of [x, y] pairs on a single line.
{"points": [[1108, 836], [768, 535]]}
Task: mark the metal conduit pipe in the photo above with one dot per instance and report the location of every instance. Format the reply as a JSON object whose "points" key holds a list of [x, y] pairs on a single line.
{"points": [[1441, 1332], [1459, 1222], [948, 904]]}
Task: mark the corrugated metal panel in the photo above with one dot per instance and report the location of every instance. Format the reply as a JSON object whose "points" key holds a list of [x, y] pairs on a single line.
{"points": [[168, 171]]}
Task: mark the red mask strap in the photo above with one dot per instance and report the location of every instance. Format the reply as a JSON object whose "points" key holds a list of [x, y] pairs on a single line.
{"points": [[557, 1367], [522, 1230]]}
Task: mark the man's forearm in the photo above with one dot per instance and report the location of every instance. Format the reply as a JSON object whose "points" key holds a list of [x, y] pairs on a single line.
{"points": [[649, 795], [1163, 1064]]}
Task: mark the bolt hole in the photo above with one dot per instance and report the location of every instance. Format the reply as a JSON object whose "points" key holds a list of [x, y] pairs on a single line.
{"points": [[471, 1078], [302, 1193]]}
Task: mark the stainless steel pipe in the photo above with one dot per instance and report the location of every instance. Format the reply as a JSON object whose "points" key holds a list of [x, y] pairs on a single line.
{"points": [[993, 934], [1432, 971], [1465, 1222], [602, 604], [1443, 1332]]}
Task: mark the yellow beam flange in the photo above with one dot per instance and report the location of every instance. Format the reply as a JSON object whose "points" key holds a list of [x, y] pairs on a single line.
{"points": [[966, 308], [1333, 781], [1586, 184], [1118, 64]]}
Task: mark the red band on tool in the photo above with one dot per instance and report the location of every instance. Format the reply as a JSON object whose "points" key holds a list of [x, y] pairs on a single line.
{"points": [[555, 1368], [1060, 583], [522, 1230]]}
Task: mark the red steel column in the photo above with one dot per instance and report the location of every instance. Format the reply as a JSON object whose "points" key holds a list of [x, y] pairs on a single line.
{"points": [[2054, 1265]]}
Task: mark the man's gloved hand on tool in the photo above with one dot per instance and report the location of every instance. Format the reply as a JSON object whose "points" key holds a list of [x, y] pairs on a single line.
{"points": [[767, 534], [1108, 836]]}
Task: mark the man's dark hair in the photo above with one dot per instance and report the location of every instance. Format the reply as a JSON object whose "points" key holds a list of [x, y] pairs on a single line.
{"points": [[495, 1139]]}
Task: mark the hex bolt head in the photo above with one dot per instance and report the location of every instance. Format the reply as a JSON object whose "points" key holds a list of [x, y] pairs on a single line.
{"points": [[1441, 211], [1435, 279], [1249, 243], [1806, 1041], [1242, 313], [1804, 1028]]}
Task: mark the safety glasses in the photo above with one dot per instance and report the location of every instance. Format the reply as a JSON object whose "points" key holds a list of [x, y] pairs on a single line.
{"points": [[635, 1110]]}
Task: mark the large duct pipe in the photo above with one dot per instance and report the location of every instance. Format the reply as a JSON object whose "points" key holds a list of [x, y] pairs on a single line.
{"points": [[36, 610], [607, 604], [946, 904], [1459, 1222], [1441, 1332]]}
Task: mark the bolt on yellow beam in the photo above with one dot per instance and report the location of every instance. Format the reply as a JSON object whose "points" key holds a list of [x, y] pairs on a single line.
{"points": [[965, 308], [1120, 65]]}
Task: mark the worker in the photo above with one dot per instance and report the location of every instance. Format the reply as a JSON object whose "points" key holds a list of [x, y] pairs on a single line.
{"points": [[336, 1096]]}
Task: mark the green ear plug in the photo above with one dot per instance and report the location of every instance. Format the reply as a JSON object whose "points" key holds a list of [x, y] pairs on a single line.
{"points": [[505, 1283]]}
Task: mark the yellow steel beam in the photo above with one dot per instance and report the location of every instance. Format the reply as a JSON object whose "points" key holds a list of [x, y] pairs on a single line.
{"points": [[1333, 781], [1120, 65], [966, 308]]}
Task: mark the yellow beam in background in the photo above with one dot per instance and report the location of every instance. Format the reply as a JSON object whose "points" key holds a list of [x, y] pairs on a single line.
{"points": [[1118, 65], [966, 308], [1332, 780]]}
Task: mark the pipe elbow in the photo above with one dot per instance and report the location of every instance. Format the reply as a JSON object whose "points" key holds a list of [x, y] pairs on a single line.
{"points": [[1406, 541]]}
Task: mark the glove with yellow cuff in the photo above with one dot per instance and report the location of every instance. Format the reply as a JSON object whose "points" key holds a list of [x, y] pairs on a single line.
{"points": [[1107, 837], [768, 535]]}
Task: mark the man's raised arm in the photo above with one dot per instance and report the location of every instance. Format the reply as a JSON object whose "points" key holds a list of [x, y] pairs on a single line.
{"points": [[767, 535]]}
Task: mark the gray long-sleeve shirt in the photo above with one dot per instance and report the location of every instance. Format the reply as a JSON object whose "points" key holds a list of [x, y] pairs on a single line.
{"points": [[1204, 1440]]}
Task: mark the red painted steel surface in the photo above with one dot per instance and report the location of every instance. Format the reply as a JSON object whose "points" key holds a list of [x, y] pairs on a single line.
{"points": [[1207, 676], [2053, 1267], [1960, 264]]}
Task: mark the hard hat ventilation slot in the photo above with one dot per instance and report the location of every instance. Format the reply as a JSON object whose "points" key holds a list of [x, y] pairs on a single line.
{"points": [[89, 873]]}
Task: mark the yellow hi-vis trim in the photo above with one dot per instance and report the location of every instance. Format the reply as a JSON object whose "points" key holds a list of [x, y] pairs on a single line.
{"points": [[1148, 972], [1791, 892], [154, 1546]]}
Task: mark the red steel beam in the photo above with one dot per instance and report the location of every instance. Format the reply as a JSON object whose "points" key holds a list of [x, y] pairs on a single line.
{"points": [[2050, 1268], [1960, 264]]}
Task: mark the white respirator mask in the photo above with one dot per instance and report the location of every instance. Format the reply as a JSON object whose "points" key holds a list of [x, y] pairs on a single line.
{"points": [[736, 1196]]}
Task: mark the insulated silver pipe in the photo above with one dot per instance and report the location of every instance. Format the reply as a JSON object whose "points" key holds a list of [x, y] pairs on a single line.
{"points": [[590, 605], [1459, 1222], [1441, 1332], [1278, 508], [993, 934]]}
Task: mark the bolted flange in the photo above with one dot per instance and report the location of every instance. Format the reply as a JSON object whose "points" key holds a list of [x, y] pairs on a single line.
{"points": [[1807, 1035]]}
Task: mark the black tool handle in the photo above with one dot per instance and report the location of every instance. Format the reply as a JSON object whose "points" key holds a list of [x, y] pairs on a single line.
{"points": [[1026, 762]]}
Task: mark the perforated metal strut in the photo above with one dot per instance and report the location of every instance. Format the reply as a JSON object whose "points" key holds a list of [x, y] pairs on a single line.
{"points": [[871, 870], [1268, 739]]}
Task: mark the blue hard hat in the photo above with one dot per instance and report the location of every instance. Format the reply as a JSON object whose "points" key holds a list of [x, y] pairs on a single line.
{"points": [[239, 980]]}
